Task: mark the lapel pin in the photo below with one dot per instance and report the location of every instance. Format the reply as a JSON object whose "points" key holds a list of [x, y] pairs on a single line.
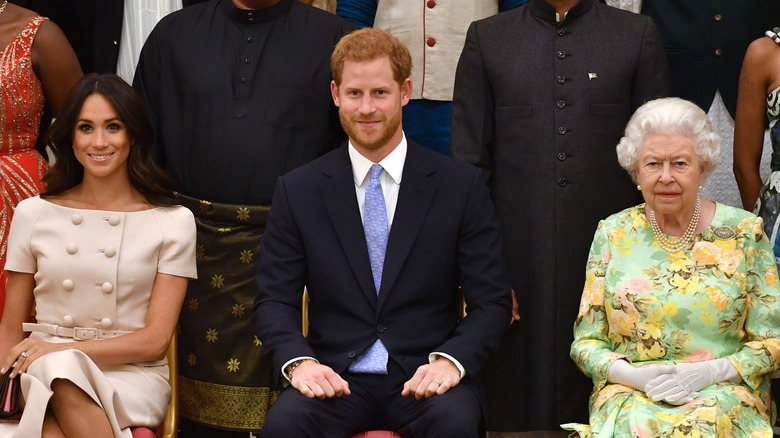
{"points": [[592, 76]]}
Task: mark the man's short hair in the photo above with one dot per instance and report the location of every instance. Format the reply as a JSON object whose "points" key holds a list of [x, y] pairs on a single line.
{"points": [[368, 44]]}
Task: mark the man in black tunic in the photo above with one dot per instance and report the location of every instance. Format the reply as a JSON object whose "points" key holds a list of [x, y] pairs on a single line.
{"points": [[238, 92]]}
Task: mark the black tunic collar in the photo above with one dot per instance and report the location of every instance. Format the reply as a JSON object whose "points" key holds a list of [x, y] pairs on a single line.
{"points": [[546, 12], [251, 16]]}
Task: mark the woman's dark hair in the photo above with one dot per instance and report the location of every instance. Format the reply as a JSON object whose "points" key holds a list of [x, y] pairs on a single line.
{"points": [[145, 175]]}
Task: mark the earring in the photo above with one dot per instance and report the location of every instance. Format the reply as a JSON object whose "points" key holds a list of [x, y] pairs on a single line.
{"points": [[638, 187], [700, 187]]}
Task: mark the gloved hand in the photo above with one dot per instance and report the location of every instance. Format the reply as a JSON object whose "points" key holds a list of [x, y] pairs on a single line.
{"points": [[636, 377], [688, 378]]}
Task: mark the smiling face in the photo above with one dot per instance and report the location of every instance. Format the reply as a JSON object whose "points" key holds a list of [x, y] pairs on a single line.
{"points": [[670, 173], [370, 101], [101, 142]]}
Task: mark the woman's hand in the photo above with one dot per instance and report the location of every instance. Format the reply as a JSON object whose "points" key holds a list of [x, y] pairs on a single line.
{"points": [[24, 353]]}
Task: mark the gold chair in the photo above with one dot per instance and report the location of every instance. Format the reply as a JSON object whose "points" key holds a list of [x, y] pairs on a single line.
{"points": [[171, 422]]}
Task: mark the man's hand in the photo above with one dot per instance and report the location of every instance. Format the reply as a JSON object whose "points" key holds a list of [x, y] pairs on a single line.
{"points": [[515, 310], [432, 379], [316, 380]]}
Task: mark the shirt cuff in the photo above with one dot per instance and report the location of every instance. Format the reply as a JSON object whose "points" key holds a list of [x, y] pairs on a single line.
{"points": [[286, 364], [432, 357]]}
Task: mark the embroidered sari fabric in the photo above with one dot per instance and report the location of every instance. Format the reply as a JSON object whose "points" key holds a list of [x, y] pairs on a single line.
{"points": [[21, 107]]}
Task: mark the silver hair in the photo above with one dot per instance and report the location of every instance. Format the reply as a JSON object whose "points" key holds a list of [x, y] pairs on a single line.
{"points": [[670, 115]]}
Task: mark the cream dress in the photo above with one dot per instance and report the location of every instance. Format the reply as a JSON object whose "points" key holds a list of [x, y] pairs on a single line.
{"points": [[96, 269]]}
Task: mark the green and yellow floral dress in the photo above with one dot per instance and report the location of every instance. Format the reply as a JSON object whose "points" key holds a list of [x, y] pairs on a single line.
{"points": [[718, 298]]}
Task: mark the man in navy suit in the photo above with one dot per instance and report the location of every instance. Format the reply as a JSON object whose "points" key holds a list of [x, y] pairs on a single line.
{"points": [[382, 233]]}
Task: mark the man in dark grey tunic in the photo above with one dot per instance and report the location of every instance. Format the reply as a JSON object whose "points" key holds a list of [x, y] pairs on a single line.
{"points": [[238, 91], [542, 94]]}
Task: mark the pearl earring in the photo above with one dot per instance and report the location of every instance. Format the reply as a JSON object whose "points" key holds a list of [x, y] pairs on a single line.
{"points": [[638, 187]]}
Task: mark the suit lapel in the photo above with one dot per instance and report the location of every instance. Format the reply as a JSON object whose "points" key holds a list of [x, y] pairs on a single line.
{"points": [[414, 198], [338, 193]]}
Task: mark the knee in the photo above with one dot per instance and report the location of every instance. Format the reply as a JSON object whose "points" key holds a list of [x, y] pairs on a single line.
{"points": [[456, 420]]}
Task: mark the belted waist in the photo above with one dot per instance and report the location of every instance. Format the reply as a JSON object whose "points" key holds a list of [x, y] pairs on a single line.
{"points": [[77, 333]]}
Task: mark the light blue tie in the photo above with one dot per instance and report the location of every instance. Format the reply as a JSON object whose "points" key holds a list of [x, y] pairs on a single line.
{"points": [[374, 360]]}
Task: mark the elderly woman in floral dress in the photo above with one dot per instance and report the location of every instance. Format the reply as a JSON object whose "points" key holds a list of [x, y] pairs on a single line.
{"points": [[679, 320]]}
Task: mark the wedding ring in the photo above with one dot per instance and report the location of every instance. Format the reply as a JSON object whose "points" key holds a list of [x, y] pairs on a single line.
{"points": [[24, 354], [437, 382]]}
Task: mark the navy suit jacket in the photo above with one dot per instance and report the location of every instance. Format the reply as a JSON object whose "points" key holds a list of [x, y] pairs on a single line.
{"points": [[444, 234]]}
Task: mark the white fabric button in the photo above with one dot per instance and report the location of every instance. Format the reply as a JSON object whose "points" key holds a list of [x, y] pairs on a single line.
{"points": [[109, 252], [67, 321], [67, 285], [72, 248], [106, 323], [113, 220], [107, 287], [76, 219]]}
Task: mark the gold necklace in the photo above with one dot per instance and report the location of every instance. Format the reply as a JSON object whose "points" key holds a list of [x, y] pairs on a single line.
{"points": [[2, 8], [685, 239]]}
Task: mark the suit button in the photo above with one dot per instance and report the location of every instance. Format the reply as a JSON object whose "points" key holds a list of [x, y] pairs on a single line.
{"points": [[76, 219], [109, 252], [431, 42], [718, 17], [561, 156], [351, 354], [67, 285], [72, 248], [107, 288], [381, 328], [561, 104], [562, 182], [560, 79], [561, 130], [67, 321], [561, 32], [560, 54], [431, 4], [106, 323], [113, 220], [718, 51]]}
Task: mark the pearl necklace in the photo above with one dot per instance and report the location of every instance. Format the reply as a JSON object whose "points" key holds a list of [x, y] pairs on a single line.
{"points": [[686, 238], [2, 8]]}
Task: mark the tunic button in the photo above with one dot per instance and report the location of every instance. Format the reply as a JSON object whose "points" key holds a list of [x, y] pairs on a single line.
{"points": [[113, 220], [251, 20], [76, 219], [67, 285], [718, 17], [561, 104], [431, 42], [562, 156], [560, 79], [72, 248], [560, 54], [561, 32], [718, 52], [107, 288], [242, 79], [250, 39], [561, 130], [106, 323], [109, 252], [351, 354], [67, 321], [381, 328], [431, 4], [247, 60], [562, 182]]}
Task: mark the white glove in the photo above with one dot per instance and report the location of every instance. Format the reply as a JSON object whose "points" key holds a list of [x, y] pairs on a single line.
{"points": [[636, 377], [688, 378]]}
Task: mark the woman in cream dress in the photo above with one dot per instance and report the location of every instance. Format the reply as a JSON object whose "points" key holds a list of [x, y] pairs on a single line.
{"points": [[104, 254]]}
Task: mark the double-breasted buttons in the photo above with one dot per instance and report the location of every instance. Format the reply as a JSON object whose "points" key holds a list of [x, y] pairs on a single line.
{"points": [[431, 4], [67, 285], [109, 252], [71, 248], [107, 288], [67, 321], [431, 42], [106, 323], [113, 220], [76, 219]]}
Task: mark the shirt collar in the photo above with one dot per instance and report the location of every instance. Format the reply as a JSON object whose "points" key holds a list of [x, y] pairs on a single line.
{"points": [[545, 11], [251, 16], [393, 163]]}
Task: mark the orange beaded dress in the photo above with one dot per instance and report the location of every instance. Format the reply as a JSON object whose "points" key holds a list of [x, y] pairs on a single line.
{"points": [[21, 107]]}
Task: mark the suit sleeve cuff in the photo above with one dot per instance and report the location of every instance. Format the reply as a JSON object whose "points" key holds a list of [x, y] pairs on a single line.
{"points": [[432, 357]]}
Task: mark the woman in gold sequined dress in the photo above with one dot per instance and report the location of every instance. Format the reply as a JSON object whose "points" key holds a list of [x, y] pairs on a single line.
{"points": [[37, 67]]}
